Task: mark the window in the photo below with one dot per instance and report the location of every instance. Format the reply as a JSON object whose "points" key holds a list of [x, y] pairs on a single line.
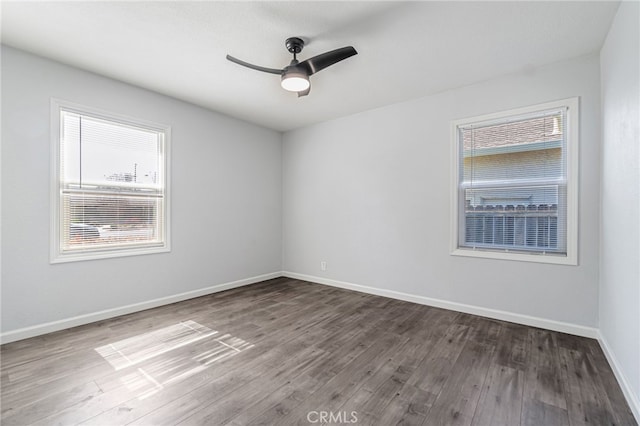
{"points": [[109, 190], [516, 184]]}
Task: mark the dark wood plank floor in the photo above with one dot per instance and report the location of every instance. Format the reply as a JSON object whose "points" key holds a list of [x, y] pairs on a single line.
{"points": [[291, 352]]}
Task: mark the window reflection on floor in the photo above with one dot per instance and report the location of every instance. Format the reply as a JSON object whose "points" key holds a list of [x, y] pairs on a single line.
{"points": [[168, 355]]}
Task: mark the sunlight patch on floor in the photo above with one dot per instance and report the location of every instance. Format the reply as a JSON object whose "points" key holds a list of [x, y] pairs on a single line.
{"points": [[159, 359], [131, 351]]}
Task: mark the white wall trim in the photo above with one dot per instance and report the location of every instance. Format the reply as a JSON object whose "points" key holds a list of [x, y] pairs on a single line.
{"points": [[57, 254], [632, 399], [571, 153], [50, 327], [563, 327]]}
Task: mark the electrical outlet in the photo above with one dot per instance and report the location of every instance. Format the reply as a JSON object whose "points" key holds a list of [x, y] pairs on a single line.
{"points": [[323, 265]]}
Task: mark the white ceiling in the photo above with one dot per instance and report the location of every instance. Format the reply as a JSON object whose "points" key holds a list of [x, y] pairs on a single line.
{"points": [[406, 49]]}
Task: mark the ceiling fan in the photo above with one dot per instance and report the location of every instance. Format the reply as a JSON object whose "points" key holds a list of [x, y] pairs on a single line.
{"points": [[295, 76]]}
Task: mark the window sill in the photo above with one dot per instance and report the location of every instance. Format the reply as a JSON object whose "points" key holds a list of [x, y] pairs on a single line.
{"points": [[106, 254], [519, 256]]}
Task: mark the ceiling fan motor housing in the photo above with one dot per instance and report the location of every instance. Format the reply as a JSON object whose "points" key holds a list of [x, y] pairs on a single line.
{"points": [[294, 45]]}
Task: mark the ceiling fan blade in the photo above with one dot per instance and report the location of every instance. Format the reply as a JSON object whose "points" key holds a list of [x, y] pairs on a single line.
{"points": [[320, 62], [254, 67], [304, 92]]}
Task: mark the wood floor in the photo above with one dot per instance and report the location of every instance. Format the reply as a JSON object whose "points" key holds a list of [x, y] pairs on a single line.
{"points": [[291, 352]]}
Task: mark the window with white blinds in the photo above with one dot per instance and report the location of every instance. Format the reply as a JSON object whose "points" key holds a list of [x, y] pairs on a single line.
{"points": [[516, 177], [110, 190]]}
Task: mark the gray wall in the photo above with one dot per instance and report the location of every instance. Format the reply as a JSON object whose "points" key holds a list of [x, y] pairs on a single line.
{"points": [[226, 199], [369, 194], [620, 231]]}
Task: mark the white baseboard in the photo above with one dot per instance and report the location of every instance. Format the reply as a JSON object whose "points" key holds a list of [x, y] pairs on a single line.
{"points": [[563, 327], [49, 327], [632, 398]]}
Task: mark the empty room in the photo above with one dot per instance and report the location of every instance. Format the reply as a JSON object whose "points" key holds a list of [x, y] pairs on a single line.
{"points": [[316, 212]]}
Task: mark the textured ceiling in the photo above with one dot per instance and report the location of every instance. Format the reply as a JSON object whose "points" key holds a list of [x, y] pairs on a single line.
{"points": [[406, 49]]}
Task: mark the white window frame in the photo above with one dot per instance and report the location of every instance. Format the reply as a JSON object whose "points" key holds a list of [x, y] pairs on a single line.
{"points": [[572, 155], [56, 253]]}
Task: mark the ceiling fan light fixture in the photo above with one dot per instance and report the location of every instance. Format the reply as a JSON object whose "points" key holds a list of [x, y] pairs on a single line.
{"points": [[295, 81]]}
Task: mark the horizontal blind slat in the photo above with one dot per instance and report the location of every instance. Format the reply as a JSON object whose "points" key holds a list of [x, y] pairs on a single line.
{"points": [[131, 194]]}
